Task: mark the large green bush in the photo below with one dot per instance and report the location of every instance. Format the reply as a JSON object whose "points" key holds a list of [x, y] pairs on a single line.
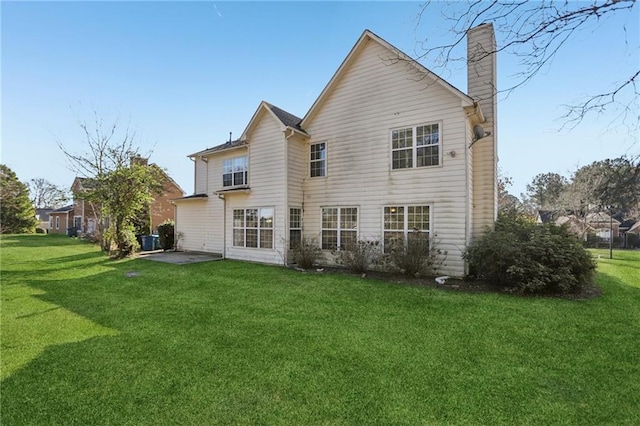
{"points": [[166, 234], [531, 257]]}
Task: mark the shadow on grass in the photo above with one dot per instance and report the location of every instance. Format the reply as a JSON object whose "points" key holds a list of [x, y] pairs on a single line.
{"points": [[39, 240]]}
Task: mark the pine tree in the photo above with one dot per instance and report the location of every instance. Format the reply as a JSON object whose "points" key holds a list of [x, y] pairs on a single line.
{"points": [[17, 214]]}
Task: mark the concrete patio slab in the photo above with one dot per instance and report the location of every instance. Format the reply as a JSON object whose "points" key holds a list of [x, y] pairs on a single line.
{"points": [[179, 257]]}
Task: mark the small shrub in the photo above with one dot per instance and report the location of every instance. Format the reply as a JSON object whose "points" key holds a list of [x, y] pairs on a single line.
{"points": [[40, 231], [359, 257], [307, 252], [533, 258], [417, 256], [166, 233]]}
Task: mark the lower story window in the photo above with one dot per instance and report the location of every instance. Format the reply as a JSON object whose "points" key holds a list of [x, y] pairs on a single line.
{"points": [[339, 227], [57, 222], [253, 228], [401, 222], [295, 227]]}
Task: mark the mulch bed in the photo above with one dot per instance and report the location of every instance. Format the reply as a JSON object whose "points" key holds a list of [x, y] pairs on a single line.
{"points": [[455, 284]]}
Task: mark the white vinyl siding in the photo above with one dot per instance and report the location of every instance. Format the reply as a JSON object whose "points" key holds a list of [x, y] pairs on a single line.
{"points": [[360, 154]]}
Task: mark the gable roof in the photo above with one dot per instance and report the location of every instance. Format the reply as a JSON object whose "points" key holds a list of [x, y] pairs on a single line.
{"points": [[222, 147], [286, 119], [65, 209], [396, 54]]}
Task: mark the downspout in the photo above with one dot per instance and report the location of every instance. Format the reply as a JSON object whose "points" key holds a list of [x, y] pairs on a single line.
{"points": [[224, 225]]}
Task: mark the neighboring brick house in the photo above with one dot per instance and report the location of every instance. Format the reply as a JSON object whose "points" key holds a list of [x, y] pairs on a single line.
{"points": [[387, 149], [83, 213], [61, 219]]}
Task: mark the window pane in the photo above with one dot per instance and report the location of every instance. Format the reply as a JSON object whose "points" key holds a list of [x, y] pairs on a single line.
{"points": [[227, 180], [266, 238], [252, 238], [227, 166], [427, 135], [330, 218], [238, 178], [392, 240], [329, 240], [252, 218], [295, 218], [318, 151], [418, 218], [428, 156], [238, 237], [239, 164], [348, 239], [394, 218], [295, 238], [238, 218], [402, 138], [317, 168], [402, 159], [266, 218], [349, 218]]}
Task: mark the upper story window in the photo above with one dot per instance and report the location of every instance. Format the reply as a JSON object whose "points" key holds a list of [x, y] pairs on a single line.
{"points": [[318, 160], [417, 146], [234, 171]]}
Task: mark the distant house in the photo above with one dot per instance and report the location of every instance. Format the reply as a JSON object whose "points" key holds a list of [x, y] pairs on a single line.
{"points": [[61, 219], [387, 149], [42, 216], [84, 214], [604, 225]]}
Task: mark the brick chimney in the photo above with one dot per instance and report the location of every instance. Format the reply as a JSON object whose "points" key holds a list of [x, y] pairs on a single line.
{"points": [[139, 160], [482, 87]]}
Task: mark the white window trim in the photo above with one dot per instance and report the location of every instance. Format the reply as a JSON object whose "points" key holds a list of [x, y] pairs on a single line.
{"points": [[258, 228], [406, 220], [326, 159], [57, 222], [245, 172], [414, 146], [339, 229], [81, 223]]}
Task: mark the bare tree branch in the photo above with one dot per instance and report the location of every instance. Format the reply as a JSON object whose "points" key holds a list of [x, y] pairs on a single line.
{"points": [[534, 32]]}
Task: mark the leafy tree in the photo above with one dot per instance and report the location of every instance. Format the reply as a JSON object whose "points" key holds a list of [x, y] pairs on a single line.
{"points": [[545, 190], [507, 201], [606, 184], [124, 194], [17, 215], [46, 194], [122, 187]]}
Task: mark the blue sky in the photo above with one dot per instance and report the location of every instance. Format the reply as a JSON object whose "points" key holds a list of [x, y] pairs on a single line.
{"points": [[185, 74]]}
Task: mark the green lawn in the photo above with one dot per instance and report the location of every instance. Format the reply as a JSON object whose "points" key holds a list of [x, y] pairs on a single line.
{"points": [[234, 343]]}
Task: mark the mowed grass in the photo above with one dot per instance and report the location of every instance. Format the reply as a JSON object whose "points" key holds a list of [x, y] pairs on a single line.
{"points": [[229, 342]]}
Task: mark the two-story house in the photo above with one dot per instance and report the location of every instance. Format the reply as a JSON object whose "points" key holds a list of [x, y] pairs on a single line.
{"points": [[388, 148]]}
